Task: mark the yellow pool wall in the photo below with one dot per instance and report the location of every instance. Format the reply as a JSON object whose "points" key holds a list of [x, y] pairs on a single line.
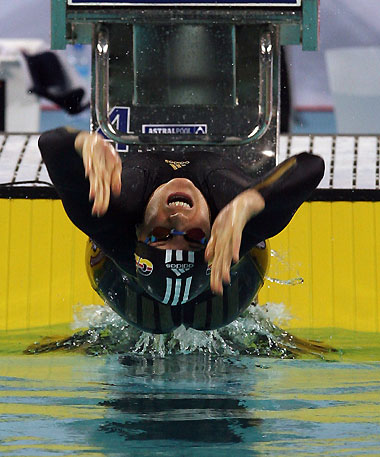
{"points": [[333, 246]]}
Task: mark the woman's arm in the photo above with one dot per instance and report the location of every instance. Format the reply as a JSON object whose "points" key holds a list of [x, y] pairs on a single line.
{"points": [[71, 155], [224, 244], [284, 189], [260, 212], [102, 166]]}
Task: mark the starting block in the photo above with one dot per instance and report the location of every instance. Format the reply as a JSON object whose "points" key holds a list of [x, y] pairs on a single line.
{"points": [[188, 73]]}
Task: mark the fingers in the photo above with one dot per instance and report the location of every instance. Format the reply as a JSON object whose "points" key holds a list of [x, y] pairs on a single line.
{"points": [[98, 196], [236, 242], [101, 193], [116, 179], [219, 252], [92, 186], [210, 249], [220, 270], [103, 168], [223, 248], [102, 196], [88, 151]]}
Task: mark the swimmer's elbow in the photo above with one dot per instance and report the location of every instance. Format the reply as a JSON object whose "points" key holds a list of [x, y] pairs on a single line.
{"points": [[313, 165], [42, 142], [321, 167], [45, 146], [54, 143]]}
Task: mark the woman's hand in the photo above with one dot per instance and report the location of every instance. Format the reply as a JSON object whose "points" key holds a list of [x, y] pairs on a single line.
{"points": [[224, 244], [102, 166]]}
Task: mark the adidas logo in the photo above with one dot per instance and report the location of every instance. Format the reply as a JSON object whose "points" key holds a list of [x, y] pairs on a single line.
{"points": [[179, 268], [176, 165], [178, 290], [179, 265]]}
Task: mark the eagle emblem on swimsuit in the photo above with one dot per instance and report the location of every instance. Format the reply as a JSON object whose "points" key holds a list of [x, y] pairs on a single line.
{"points": [[176, 165]]}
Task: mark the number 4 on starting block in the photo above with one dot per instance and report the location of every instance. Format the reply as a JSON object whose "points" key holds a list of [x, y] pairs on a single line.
{"points": [[120, 118]]}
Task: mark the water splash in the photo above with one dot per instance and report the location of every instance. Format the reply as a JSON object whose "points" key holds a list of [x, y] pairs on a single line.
{"points": [[98, 330], [253, 333], [284, 282]]}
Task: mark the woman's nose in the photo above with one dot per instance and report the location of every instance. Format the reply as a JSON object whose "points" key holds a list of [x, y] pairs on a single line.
{"points": [[178, 221]]}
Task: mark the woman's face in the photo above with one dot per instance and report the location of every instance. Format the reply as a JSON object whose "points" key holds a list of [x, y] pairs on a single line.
{"points": [[179, 205]]}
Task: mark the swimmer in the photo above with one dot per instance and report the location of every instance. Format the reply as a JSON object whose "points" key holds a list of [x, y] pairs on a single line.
{"points": [[176, 237]]}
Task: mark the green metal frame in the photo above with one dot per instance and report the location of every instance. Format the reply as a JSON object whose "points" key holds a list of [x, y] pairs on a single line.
{"points": [[58, 24], [310, 25], [298, 25], [292, 25]]}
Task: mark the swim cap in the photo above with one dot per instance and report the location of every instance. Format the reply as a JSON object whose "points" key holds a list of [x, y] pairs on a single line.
{"points": [[172, 277]]}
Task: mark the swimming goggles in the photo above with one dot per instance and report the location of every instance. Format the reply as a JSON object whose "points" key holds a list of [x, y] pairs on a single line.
{"points": [[195, 235]]}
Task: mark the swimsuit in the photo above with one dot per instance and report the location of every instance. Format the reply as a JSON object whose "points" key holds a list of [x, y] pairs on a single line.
{"points": [[113, 235]]}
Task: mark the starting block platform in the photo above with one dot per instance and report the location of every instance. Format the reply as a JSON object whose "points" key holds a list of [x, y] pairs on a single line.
{"points": [[352, 166], [212, 68]]}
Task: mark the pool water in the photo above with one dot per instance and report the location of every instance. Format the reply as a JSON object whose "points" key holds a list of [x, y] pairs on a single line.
{"points": [[195, 404]]}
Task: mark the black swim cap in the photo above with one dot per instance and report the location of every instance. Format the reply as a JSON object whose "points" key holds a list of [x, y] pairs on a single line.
{"points": [[172, 277]]}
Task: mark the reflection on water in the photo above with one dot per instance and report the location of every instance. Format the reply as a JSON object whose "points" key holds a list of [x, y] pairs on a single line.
{"points": [[191, 411], [197, 420], [187, 405]]}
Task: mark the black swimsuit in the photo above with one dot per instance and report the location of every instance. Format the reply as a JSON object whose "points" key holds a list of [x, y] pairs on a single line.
{"points": [[220, 180], [284, 189]]}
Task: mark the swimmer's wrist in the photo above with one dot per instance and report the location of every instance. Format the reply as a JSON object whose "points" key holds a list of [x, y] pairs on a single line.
{"points": [[86, 142], [80, 140], [254, 203]]}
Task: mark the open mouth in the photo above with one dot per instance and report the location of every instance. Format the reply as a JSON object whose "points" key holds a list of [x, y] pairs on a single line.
{"points": [[178, 200]]}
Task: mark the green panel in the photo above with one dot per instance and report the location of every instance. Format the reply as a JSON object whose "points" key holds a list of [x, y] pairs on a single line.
{"points": [[58, 24], [184, 64], [290, 34], [81, 34], [310, 25]]}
